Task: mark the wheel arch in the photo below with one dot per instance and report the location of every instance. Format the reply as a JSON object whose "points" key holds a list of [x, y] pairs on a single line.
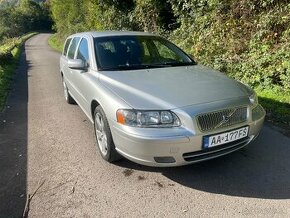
{"points": [[94, 104]]}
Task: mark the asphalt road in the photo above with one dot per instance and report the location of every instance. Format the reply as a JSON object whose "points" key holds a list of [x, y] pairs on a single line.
{"points": [[48, 144]]}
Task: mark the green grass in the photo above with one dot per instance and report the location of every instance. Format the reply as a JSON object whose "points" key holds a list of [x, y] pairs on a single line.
{"points": [[8, 43], [277, 104], [56, 43], [7, 69]]}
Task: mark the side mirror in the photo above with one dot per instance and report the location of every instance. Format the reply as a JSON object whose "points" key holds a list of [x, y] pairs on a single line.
{"points": [[77, 64]]}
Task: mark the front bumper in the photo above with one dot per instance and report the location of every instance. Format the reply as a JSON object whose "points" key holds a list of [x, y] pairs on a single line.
{"points": [[177, 146]]}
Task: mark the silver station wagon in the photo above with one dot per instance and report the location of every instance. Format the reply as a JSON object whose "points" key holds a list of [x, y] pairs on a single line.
{"points": [[152, 104]]}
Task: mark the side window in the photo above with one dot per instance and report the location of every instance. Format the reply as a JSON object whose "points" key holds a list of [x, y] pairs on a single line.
{"points": [[66, 46], [83, 52], [72, 47]]}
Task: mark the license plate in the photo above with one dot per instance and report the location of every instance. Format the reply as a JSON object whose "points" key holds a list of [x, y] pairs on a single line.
{"points": [[226, 137]]}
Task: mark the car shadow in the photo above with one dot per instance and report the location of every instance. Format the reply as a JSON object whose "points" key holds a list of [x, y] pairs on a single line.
{"points": [[261, 170], [13, 145], [277, 112]]}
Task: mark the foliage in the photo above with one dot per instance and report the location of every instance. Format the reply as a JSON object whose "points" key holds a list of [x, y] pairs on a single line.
{"points": [[249, 40], [7, 68], [7, 3], [84, 15], [27, 15], [56, 43], [6, 48], [152, 15], [81, 15]]}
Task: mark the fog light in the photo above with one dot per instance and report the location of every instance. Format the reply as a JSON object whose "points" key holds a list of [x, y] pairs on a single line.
{"points": [[164, 159]]}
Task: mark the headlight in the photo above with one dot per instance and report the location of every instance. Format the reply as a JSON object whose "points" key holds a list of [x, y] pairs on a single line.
{"points": [[140, 118], [253, 99]]}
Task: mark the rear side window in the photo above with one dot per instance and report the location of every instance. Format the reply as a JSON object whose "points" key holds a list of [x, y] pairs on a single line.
{"points": [[72, 47], [83, 52], [66, 46]]}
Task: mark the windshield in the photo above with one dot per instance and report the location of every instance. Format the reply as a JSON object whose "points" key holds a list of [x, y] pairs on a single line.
{"points": [[138, 52]]}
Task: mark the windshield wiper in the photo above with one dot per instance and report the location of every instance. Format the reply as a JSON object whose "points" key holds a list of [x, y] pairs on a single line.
{"points": [[133, 67], [176, 64], [123, 67], [146, 66]]}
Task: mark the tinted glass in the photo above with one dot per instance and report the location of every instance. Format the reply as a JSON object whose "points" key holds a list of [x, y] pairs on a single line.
{"points": [[165, 53], [66, 46], [83, 52], [72, 47], [138, 52]]}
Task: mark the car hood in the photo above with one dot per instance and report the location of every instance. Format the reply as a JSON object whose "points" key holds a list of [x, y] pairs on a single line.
{"points": [[171, 87]]}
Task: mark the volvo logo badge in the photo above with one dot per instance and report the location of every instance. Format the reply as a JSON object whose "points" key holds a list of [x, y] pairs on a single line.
{"points": [[225, 118]]}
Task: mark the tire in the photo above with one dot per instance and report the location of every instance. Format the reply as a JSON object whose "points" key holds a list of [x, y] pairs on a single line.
{"points": [[66, 94], [104, 138]]}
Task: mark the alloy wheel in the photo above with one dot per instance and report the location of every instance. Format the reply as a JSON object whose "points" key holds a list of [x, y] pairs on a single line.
{"points": [[101, 134]]}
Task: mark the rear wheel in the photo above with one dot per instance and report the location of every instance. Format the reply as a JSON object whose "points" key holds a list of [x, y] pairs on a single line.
{"points": [[104, 137], [66, 94]]}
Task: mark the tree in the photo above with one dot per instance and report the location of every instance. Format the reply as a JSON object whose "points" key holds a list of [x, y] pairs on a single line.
{"points": [[24, 17]]}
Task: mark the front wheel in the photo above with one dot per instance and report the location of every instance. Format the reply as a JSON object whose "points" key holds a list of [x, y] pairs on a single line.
{"points": [[104, 137]]}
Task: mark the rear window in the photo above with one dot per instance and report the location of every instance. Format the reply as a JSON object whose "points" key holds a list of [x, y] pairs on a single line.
{"points": [[72, 47], [66, 46]]}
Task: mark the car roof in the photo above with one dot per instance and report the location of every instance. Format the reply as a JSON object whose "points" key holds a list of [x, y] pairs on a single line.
{"points": [[95, 34]]}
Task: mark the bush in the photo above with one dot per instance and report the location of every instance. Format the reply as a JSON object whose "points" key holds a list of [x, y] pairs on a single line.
{"points": [[9, 55], [248, 40]]}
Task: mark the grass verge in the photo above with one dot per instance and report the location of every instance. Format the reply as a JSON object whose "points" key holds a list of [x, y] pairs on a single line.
{"points": [[277, 104], [56, 43], [7, 69]]}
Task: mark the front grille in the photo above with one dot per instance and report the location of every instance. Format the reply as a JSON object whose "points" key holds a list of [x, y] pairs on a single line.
{"points": [[220, 119]]}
